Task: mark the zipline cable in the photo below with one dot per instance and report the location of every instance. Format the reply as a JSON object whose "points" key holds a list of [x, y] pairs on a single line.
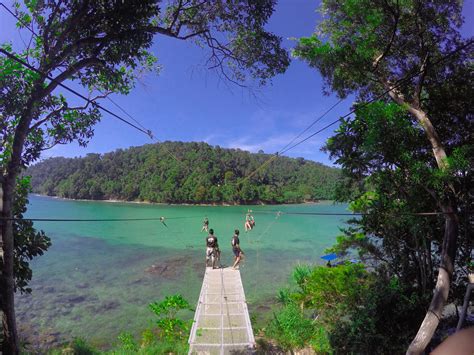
{"points": [[277, 213], [145, 130], [396, 85], [19, 20], [353, 214], [313, 123], [160, 219], [93, 103]]}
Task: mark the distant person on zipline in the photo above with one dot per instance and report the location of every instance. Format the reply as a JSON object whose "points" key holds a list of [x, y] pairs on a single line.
{"points": [[205, 225], [162, 220], [249, 221], [238, 253], [212, 248]]}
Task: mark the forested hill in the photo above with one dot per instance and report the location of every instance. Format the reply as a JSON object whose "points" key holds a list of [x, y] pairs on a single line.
{"points": [[175, 172]]}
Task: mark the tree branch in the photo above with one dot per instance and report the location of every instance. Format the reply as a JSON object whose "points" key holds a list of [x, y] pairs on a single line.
{"points": [[63, 108], [69, 72], [377, 61], [46, 118], [421, 80]]}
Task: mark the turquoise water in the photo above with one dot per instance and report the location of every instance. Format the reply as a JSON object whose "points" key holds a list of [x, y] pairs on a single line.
{"points": [[98, 277]]}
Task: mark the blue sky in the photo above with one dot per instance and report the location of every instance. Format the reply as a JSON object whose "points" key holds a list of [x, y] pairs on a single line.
{"points": [[188, 102]]}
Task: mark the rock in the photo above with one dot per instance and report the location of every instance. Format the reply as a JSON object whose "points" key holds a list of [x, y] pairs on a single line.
{"points": [[110, 305], [136, 281], [77, 299], [163, 270], [49, 289]]}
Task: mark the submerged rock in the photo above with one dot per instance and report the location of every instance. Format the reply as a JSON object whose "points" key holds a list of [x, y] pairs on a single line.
{"points": [[77, 299], [170, 268]]}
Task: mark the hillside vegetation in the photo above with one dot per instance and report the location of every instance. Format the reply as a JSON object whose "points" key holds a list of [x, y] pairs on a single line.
{"points": [[174, 172]]}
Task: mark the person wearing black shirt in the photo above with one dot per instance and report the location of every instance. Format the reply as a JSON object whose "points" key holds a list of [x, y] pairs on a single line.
{"points": [[235, 242], [212, 247]]}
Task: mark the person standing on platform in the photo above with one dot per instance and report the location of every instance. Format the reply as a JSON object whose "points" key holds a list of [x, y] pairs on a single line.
{"points": [[235, 242], [212, 250]]}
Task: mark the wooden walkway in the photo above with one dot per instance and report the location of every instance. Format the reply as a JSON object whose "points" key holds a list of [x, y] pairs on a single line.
{"points": [[221, 322]]}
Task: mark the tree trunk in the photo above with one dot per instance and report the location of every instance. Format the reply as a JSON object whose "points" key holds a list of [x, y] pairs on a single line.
{"points": [[441, 291], [449, 245], [448, 249], [7, 281]]}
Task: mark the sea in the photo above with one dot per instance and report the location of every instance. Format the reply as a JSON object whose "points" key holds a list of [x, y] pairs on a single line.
{"points": [[98, 277]]}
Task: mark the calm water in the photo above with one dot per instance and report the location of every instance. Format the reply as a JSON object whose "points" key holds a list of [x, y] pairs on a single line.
{"points": [[98, 277]]}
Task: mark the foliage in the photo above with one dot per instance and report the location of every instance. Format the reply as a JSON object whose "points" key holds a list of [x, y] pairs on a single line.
{"points": [[384, 149], [79, 346], [202, 174], [29, 242], [170, 327], [127, 342], [168, 337], [359, 45], [381, 322], [290, 328], [345, 309], [391, 170]]}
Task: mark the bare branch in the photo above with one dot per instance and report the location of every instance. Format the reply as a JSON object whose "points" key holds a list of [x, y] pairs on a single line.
{"points": [[396, 16], [176, 15], [421, 80], [47, 28]]}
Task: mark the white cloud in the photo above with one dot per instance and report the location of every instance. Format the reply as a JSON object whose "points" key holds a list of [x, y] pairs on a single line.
{"points": [[275, 143]]}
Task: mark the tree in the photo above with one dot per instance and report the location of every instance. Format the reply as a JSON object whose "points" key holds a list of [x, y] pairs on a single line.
{"points": [[384, 150], [102, 45], [367, 47]]}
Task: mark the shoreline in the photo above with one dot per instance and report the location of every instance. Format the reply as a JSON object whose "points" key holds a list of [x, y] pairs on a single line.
{"points": [[256, 203]]}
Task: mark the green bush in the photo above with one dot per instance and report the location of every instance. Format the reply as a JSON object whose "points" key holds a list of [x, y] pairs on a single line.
{"points": [[171, 328], [127, 342], [290, 328], [79, 346], [345, 309], [383, 321]]}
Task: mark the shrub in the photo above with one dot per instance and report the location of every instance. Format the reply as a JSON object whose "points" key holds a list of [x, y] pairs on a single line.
{"points": [[290, 328]]}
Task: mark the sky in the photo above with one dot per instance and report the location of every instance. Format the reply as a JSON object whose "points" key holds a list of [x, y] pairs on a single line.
{"points": [[187, 102]]}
